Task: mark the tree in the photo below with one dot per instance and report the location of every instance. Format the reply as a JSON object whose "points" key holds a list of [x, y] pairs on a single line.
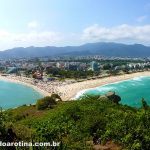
{"points": [[56, 96], [144, 104], [46, 102]]}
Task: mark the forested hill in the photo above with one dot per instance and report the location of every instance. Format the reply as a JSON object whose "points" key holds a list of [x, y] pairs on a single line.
{"points": [[101, 48]]}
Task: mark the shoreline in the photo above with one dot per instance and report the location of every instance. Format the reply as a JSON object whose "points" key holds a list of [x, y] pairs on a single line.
{"points": [[70, 91], [76, 88], [34, 87], [80, 93]]}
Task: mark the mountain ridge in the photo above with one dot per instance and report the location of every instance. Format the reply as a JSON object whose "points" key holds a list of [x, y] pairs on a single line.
{"points": [[99, 48]]}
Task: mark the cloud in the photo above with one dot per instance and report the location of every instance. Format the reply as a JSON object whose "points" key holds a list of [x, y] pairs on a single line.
{"points": [[95, 33], [32, 24], [48, 36], [43, 38], [141, 18], [129, 33]]}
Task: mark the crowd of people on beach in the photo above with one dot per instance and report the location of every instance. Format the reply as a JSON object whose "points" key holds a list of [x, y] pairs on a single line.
{"points": [[47, 86], [68, 89]]}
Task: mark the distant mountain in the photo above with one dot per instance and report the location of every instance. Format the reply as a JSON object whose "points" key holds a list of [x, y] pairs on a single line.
{"points": [[101, 48]]}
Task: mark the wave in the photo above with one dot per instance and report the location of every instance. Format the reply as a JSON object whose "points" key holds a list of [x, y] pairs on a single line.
{"points": [[138, 78], [122, 87], [104, 88], [79, 94]]}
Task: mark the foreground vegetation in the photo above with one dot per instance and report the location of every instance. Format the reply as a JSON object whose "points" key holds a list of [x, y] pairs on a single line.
{"points": [[75, 123]]}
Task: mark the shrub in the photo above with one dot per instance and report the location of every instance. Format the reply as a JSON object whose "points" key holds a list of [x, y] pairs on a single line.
{"points": [[46, 102], [56, 96], [144, 104]]}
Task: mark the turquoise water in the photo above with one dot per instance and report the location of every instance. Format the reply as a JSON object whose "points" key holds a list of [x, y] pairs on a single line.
{"points": [[131, 91], [13, 95]]}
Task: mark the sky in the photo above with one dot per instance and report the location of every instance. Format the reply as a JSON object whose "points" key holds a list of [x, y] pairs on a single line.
{"points": [[26, 23]]}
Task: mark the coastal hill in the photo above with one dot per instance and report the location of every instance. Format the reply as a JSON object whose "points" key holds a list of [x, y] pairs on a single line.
{"points": [[92, 122], [100, 48]]}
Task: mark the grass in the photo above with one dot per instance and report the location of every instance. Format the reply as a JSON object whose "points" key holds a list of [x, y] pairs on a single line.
{"points": [[75, 122]]}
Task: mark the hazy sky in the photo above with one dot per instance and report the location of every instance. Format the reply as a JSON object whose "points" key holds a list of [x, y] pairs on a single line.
{"points": [[73, 22]]}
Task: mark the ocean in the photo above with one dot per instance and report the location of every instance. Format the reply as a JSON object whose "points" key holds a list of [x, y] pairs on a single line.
{"points": [[14, 95], [131, 91]]}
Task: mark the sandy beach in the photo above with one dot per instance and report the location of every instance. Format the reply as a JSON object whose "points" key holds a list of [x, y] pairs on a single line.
{"points": [[66, 90], [70, 91], [24, 82]]}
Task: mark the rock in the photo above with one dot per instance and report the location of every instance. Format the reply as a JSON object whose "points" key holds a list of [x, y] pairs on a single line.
{"points": [[110, 93]]}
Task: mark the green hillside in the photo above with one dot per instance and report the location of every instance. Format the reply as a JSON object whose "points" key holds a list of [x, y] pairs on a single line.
{"points": [[75, 123]]}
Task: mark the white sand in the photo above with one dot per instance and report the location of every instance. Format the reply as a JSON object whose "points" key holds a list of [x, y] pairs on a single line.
{"points": [[68, 91], [15, 80]]}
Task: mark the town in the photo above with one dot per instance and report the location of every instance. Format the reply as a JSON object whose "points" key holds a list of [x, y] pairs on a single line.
{"points": [[77, 68]]}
